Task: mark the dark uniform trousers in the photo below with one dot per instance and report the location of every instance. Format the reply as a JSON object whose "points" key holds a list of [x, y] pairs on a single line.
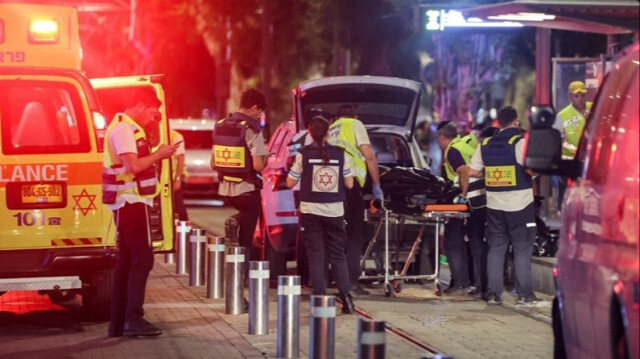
{"points": [[324, 237], [354, 216], [135, 261], [179, 206], [517, 228], [249, 208], [475, 231], [457, 252]]}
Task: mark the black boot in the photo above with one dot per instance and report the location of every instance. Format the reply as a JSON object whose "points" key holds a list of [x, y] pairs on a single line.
{"points": [[347, 303]]}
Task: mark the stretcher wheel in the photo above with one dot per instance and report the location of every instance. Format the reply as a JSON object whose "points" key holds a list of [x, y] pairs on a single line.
{"points": [[388, 289], [397, 286], [438, 290]]}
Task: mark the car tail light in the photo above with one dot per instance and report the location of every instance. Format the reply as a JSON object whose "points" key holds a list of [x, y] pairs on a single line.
{"points": [[44, 31]]}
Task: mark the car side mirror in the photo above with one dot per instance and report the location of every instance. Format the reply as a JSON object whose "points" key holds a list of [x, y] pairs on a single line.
{"points": [[541, 116]]}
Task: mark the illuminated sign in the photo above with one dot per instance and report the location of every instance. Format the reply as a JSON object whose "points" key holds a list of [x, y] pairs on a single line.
{"points": [[440, 19]]}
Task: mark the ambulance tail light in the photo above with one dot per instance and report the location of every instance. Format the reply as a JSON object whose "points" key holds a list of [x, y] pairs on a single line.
{"points": [[44, 31], [100, 126]]}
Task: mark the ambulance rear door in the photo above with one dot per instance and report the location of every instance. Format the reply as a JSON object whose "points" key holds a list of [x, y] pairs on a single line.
{"points": [[50, 168], [111, 93]]}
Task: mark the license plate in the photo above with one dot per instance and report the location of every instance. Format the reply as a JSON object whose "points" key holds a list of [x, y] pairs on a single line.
{"points": [[42, 193]]}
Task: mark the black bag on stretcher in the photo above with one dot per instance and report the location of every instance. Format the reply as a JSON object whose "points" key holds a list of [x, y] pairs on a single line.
{"points": [[408, 190]]}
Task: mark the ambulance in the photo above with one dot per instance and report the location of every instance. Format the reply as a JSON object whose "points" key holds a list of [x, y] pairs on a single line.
{"points": [[56, 236]]}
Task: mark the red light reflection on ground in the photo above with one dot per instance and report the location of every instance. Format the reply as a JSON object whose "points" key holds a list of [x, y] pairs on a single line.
{"points": [[27, 301]]}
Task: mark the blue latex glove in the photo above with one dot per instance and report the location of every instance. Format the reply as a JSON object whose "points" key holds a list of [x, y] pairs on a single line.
{"points": [[377, 192]]}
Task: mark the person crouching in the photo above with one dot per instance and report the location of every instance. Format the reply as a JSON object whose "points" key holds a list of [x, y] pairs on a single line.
{"points": [[324, 172]]}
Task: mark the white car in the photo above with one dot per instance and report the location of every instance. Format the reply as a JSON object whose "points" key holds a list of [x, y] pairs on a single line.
{"points": [[201, 180], [387, 107]]}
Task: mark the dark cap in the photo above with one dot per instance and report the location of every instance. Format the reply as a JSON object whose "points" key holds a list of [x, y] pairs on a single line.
{"points": [[442, 124]]}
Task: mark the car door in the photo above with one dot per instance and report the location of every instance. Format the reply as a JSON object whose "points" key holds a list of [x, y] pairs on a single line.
{"points": [[111, 92]]}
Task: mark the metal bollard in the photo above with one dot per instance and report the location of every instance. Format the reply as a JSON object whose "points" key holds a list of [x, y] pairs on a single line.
{"points": [[215, 284], [198, 242], [182, 230], [288, 316], [235, 280], [371, 339], [437, 356], [322, 326], [258, 298]]}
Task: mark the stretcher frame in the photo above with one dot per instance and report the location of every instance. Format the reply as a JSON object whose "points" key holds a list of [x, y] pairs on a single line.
{"points": [[392, 283]]}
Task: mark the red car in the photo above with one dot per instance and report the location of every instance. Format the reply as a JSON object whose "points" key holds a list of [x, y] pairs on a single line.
{"points": [[595, 312]]}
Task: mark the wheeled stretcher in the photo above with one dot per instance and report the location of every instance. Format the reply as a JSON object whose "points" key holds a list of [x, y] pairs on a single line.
{"points": [[433, 214]]}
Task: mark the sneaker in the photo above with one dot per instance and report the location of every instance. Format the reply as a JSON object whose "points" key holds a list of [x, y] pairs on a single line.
{"points": [[475, 293], [494, 300], [357, 290], [529, 300], [142, 328], [456, 290]]}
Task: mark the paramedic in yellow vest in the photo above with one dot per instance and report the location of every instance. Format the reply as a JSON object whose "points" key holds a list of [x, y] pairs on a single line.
{"points": [[570, 123], [239, 155], [455, 159], [350, 134], [179, 172], [129, 185]]}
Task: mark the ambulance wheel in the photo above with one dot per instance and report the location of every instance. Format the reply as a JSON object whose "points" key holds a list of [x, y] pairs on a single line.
{"points": [[96, 296], [388, 290], [397, 286]]}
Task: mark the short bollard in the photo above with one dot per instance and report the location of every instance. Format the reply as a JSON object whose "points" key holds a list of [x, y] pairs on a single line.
{"points": [[215, 283], [371, 339], [234, 280], [258, 298], [197, 242], [322, 327], [183, 229], [288, 316]]}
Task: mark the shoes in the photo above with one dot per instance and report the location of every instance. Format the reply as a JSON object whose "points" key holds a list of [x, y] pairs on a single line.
{"points": [[114, 333], [357, 290], [475, 293], [456, 290], [530, 300], [141, 328], [347, 303], [494, 299]]}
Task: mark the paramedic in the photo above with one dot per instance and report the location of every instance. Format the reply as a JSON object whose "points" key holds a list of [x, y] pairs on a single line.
{"points": [[129, 185], [324, 172], [456, 157], [510, 207], [350, 134], [179, 172], [570, 123], [239, 155], [474, 190]]}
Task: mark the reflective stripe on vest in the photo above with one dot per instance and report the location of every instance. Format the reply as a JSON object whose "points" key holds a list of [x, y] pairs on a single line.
{"points": [[573, 122], [341, 134], [115, 179]]}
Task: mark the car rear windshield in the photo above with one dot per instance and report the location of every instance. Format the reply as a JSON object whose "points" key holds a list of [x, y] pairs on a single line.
{"points": [[41, 117], [374, 105], [197, 139]]}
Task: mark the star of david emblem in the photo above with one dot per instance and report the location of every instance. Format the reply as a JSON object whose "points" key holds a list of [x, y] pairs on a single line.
{"points": [[497, 174], [226, 154], [89, 198], [325, 179]]}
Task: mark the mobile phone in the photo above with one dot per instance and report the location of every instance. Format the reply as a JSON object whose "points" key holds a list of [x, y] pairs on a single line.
{"points": [[178, 143]]}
